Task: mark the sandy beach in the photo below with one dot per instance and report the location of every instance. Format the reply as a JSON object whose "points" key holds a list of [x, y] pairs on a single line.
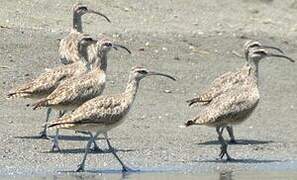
{"points": [[195, 41]]}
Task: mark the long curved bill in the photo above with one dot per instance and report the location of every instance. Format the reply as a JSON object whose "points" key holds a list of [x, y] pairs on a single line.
{"points": [[281, 56], [98, 13], [266, 47], [274, 48], [116, 46], [161, 74]]}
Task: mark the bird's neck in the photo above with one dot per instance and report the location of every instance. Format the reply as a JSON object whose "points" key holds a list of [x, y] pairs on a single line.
{"points": [[83, 53], [84, 58], [86, 63], [77, 22], [131, 89], [99, 61], [102, 61], [254, 68]]}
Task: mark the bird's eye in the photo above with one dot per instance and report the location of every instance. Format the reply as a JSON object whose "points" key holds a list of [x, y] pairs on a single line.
{"points": [[88, 39], [263, 53], [83, 8], [142, 72], [260, 53], [108, 44], [254, 45]]}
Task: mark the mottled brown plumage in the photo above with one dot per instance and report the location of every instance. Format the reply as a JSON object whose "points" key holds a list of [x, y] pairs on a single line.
{"points": [[237, 99], [227, 81], [45, 83], [220, 85], [101, 114], [74, 91], [67, 48], [226, 109]]}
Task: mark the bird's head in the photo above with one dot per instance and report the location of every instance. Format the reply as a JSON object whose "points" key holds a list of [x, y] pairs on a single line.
{"points": [[80, 9], [257, 54], [104, 45], [251, 44], [84, 41], [139, 73]]}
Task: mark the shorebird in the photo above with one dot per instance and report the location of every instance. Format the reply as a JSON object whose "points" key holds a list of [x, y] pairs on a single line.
{"points": [[103, 113], [74, 91], [234, 105], [226, 81], [47, 82], [67, 49]]}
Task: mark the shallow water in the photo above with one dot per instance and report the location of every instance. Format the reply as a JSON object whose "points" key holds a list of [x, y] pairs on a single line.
{"points": [[237, 170], [223, 175]]}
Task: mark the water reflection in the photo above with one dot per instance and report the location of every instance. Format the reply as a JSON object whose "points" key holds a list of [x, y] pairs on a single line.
{"points": [[83, 176], [225, 175], [172, 175]]}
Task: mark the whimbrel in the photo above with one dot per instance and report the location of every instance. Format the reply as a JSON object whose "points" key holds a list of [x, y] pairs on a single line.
{"points": [[103, 113], [46, 83], [76, 90], [67, 49], [238, 102], [226, 81]]}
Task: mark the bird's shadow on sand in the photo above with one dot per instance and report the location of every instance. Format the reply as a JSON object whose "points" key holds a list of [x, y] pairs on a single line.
{"points": [[244, 161], [105, 171], [90, 174], [238, 142], [86, 174], [62, 137], [82, 150]]}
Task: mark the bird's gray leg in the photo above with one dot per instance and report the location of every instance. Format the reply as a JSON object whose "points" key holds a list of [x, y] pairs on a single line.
{"points": [[124, 167], [43, 133], [223, 144], [81, 166], [110, 148], [230, 132], [95, 147], [55, 146]]}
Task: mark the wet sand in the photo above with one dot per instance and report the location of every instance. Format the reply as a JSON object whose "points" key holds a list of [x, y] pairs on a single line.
{"points": [[193, 40]]}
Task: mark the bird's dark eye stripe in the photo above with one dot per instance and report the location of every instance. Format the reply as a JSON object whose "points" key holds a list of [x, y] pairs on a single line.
{"points": [[254, 45], [83, 8], [88, 39], [142, 72], [260, 52], [107, 44]]}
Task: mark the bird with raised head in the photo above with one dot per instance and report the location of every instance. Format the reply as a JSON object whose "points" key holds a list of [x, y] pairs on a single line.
{"points": [[67, 47], [47, 82], [76, 90], [235, 103], [224, 82], [103, 113]]}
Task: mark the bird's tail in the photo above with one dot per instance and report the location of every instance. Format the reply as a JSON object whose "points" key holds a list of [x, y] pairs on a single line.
{"points": [[15, 94], [193, 122], [22, 91], [41, 103], [192, 101], [11, 95], [196, 100], [53, 124], [63, 122]]}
